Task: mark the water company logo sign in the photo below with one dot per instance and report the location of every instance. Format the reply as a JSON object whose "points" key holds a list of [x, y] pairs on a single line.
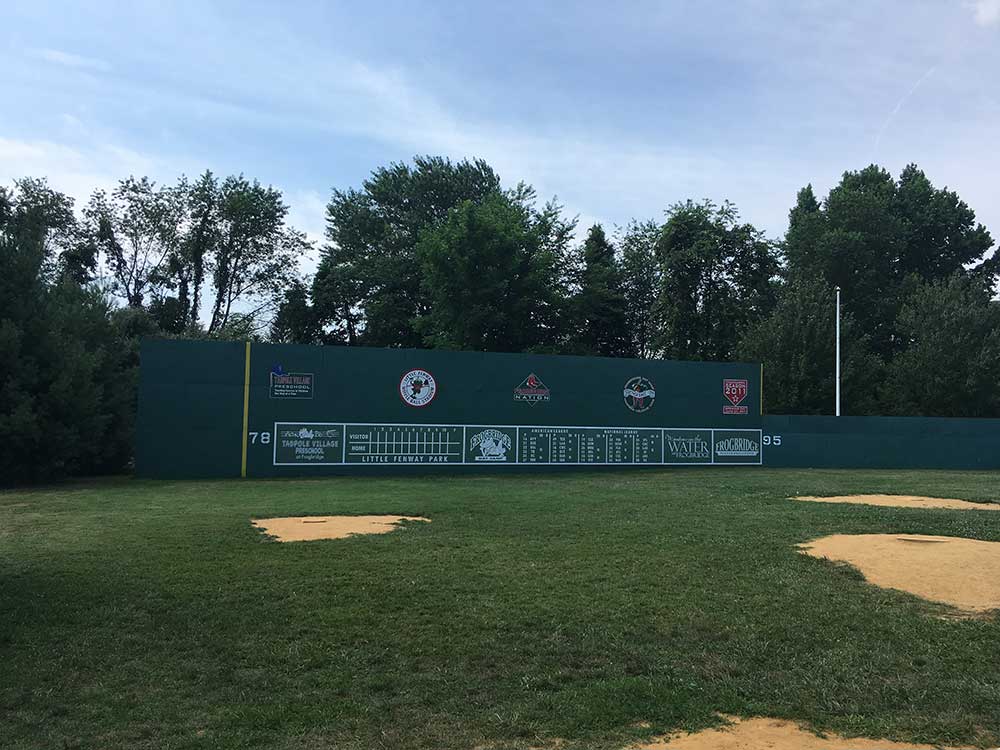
{"points": [[737, 447], [639, 393], [734, 391], [417, 388], [492, 444], [532, 390], [687, 446]]}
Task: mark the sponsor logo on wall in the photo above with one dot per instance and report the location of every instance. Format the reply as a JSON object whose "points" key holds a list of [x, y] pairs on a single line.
{"points": [[687, 446], [737, 446], [492, 444], [532, 390], [417, 388], [639, 394], [298, 443], [734, 391], [290, 384]]}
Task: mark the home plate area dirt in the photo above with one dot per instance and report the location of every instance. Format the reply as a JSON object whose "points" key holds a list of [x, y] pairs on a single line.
{"points": [[311, 528], [963, 573], [902, 501], [770, 734]]}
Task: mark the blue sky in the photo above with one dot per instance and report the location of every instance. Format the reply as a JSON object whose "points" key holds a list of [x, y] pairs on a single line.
{"points": [[618, 109]]}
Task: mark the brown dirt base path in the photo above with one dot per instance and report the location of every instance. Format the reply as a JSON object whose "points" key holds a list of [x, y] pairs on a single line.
{"points": [[964, 573], [902, 501], [309, 528], [770, 734]]}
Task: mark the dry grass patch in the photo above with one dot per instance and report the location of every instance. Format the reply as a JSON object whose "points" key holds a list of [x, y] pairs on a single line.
{"points": [[902, 501], [963, 573], [770, 734], [311, 528]]}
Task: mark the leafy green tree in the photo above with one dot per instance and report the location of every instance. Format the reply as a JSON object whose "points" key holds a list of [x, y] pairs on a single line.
{"points": [[255, 254], [796, 344], [599, 305], [491, 276], [942, 236], [718, 279], [951, 333], [57, 348], [187, 265], [641, 281], [876, 237], [164, 245], [137, 229], [368, 284]]}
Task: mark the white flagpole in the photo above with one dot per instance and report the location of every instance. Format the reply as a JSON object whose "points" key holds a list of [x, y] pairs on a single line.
{"points": [[838, 351]]}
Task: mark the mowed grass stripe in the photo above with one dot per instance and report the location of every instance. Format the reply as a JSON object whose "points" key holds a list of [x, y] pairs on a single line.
{"points": [[152, 614]]}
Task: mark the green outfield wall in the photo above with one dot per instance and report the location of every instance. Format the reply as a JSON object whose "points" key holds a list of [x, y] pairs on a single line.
{"points": [[881, 442], [217, 409], [220, 409]]}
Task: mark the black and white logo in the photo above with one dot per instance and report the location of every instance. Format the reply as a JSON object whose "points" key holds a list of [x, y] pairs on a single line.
{"points": [[417, 388], [492, 444], [732, 447]]}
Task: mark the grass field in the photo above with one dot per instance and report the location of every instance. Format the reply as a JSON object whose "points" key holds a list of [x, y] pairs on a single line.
{"points": [[599, 609]]}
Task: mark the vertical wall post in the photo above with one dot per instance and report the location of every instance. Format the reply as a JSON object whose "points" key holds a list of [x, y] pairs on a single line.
{"points": [[838, 351], [246, 410], [762, 389]]}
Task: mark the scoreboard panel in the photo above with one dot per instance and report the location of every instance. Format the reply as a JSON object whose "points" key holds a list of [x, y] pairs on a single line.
{"points": [[337, 443]]}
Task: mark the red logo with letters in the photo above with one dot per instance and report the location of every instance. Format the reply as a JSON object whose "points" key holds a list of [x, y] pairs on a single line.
{"points": [[734, 391]]}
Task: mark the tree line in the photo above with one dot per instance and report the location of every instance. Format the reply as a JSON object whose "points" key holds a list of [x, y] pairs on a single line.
{"points": [[439, 254]]}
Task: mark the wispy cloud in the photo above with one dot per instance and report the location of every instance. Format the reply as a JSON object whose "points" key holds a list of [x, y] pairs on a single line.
{"points": [[70, 60], [986, 12], [670, 104], [76, 171]]}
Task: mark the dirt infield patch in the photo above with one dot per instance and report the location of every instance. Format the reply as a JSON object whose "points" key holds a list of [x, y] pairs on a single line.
{"points": [[770, 734], [964, 573], [902, 501], [309, 528]]}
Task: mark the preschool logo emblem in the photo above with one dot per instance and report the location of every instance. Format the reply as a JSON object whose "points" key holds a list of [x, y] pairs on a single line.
{"points": [[734, 391], [290, 384], [532, 390], [417, 388], [639, 393], [492, 444]]}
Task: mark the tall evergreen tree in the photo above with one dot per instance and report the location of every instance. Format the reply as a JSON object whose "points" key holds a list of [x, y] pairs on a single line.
{"points": [[296, 321], [62, 399], [599, 305], [641, 280]]}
